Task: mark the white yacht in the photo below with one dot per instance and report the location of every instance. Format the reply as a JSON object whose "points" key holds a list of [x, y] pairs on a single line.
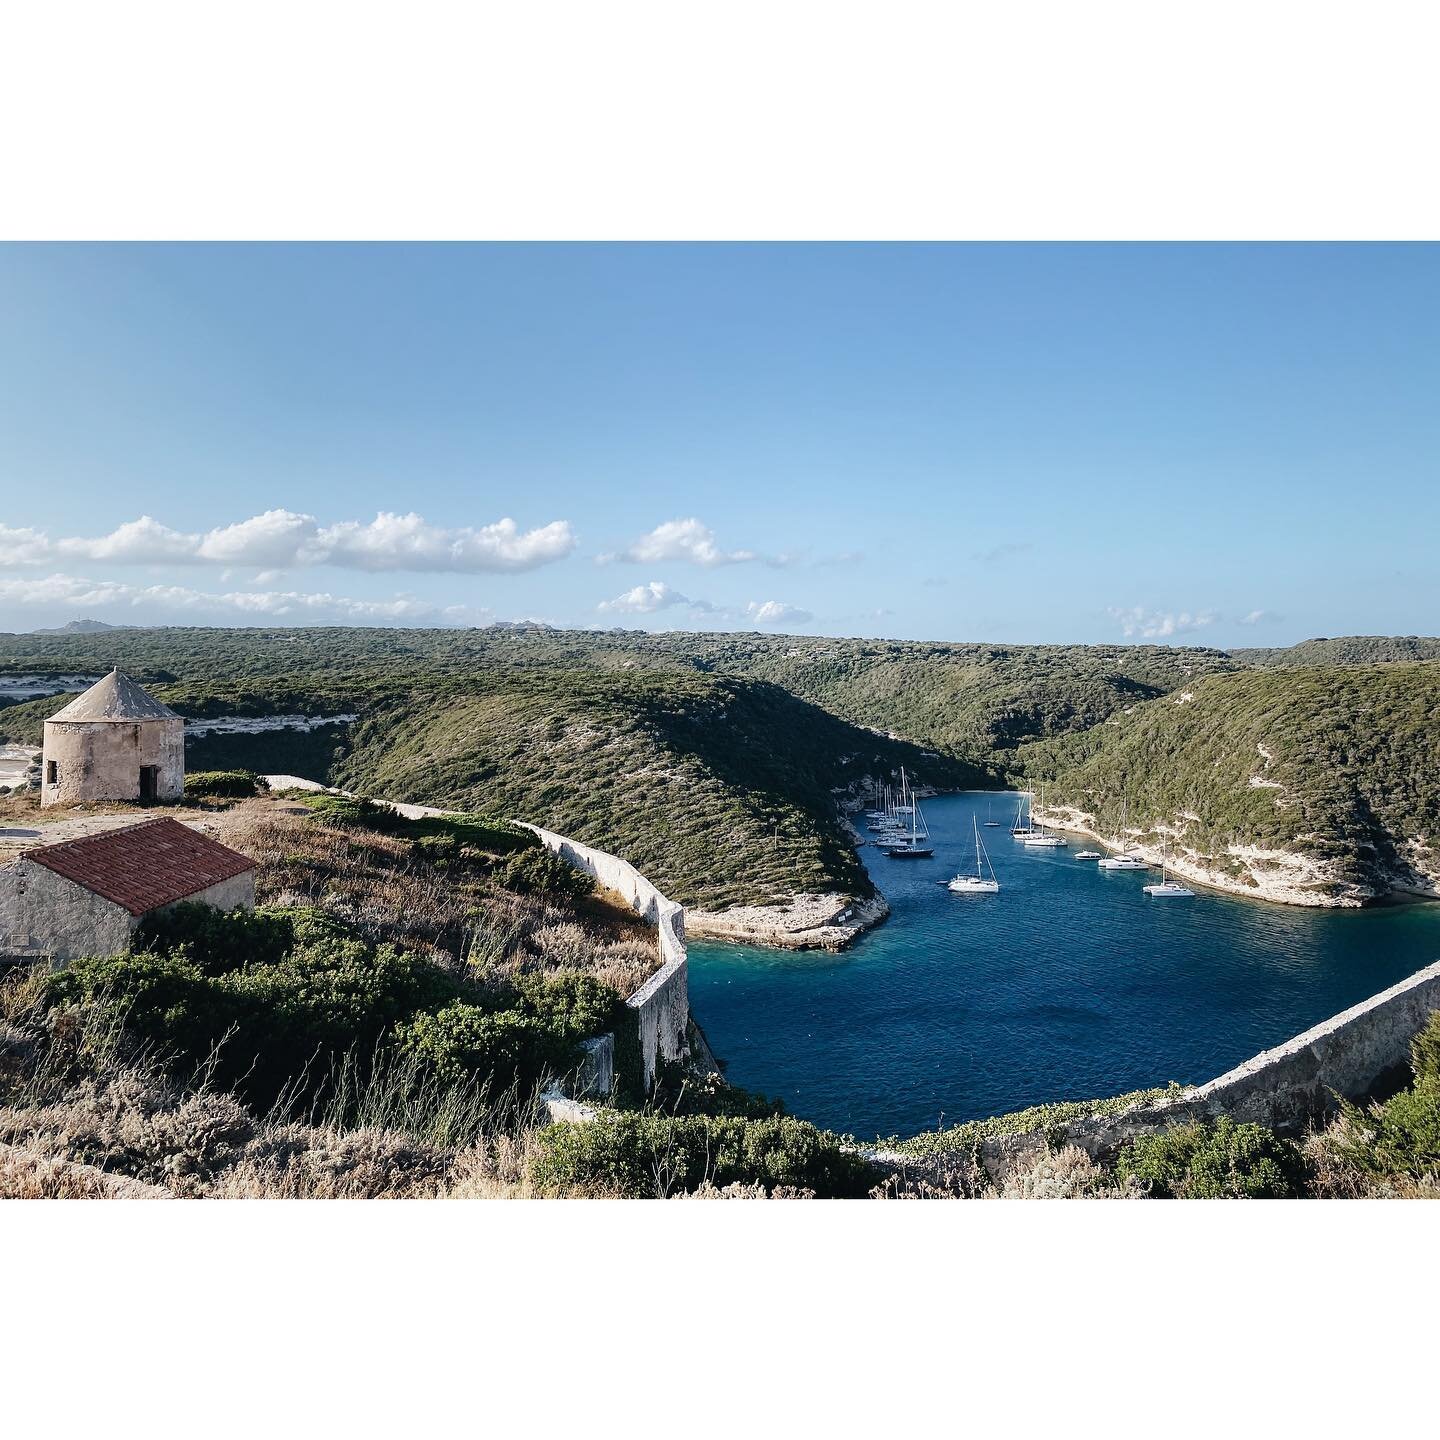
{"points": [[1023, 824], [916, 844], [1122, 862], [1041, 839], [1167, 886], [977, 884], [1087, 855]]}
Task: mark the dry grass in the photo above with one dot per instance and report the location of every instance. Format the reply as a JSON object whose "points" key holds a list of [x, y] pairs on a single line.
{"points": [[375, 883], [125, 1129], [1334, 1175]]}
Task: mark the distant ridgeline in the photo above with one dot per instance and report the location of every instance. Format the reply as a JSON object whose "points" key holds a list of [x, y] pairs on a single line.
{"points": [[711, 761]]}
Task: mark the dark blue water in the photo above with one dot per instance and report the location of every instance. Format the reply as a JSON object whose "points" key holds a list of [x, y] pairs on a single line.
{"points": [[1068, 984]]}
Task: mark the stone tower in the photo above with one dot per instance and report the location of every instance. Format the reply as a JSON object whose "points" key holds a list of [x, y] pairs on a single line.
{"points": [[114, 742]]}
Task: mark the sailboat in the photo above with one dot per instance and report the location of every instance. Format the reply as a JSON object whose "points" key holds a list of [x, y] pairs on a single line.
{"points": [[1127, 861], [1041, 838], [916, 845], [1167, 886], [977, 884], [1023, 824], [991, 823]]}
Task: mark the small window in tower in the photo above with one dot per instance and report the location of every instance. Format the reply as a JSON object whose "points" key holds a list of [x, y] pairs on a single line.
{"points": [[52, 772]]}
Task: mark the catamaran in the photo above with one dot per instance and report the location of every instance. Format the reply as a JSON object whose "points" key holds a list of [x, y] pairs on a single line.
{"points": [[1122, 862], [1127, 860], [977, 884], [1167, 886]]}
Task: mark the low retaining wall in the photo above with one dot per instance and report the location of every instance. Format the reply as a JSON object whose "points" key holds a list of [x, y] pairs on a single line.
{"points": [[1348, 1054], [662, 1004]]}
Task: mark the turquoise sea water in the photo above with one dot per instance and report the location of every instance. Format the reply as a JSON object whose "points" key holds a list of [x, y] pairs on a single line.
{"points": [[1068, 984]]}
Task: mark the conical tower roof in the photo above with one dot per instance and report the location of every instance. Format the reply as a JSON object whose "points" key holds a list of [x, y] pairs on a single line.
{"points": [[116, 697]]}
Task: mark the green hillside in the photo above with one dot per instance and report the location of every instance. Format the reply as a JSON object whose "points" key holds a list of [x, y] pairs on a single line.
{"points": [[972, 700], [721, 788], [1351, 780], [1347, 650], [604, 733]]}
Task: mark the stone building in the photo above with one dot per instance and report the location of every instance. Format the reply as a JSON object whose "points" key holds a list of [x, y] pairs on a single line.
{"points": [[114, 742], [87, 896]]}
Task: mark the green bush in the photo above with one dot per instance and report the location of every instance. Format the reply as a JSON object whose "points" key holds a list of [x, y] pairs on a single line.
{"points": [[265, 1026], [166, 1000], [1214, 1162], [533, 1031], [442, 852], [541, 872], [645, 1155], [218, 940], [224, 784], [1399, 1138], [354, 813]]}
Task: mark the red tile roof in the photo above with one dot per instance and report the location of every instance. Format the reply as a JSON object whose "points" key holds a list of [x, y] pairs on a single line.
{"points": [[144, 866]]}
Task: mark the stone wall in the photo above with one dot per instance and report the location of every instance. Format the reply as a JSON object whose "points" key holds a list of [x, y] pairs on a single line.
{"points": [[662, 1003], [1350, 1055], [42, 913], [101, 759]]}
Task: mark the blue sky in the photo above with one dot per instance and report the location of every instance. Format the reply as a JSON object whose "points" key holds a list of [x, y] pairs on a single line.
{"points": [[1202, 444]]}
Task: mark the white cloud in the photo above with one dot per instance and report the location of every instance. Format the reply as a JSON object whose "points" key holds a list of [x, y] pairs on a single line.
{"points": [[407, 542], [167, 601], [776, 612], [1139, 623], [647, 599], [1258, 617], [24, 547], [285, 539], [276, 540], [140, 542], [689, 540]]}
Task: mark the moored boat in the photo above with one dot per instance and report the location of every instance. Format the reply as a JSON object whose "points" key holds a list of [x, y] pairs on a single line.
{"points": [[978, 883]]}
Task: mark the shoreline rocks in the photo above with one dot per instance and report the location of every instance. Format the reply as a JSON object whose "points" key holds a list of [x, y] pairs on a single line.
{"points": [[807, 922], [1278, 876]]}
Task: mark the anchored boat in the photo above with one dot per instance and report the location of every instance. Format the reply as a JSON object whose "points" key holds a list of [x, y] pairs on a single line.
{"points": [[977, 884], [1167, 887], [916, 845]]}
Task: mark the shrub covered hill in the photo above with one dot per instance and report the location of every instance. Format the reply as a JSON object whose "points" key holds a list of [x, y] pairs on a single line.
{"points": [[713, 761], [1310, 784], [1346, 650]]}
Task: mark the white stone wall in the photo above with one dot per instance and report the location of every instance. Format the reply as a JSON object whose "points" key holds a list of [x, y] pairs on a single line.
{"points": [[101, 759], [1283, 1088], [236, 893], [662, 1003], [42, 912]]}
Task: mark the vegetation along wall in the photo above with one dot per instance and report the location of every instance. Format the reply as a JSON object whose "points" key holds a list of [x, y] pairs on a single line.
{"points": [[661, 1007]]}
